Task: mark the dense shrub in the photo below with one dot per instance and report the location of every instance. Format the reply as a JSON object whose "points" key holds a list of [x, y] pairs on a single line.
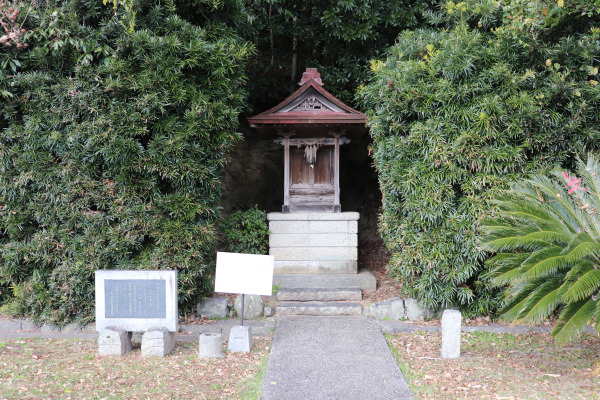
{"points": [[459, 110], [245, 232], [115, 125]]}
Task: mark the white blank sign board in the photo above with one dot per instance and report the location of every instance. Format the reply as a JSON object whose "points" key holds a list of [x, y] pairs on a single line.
{"points": [[244, 274]]}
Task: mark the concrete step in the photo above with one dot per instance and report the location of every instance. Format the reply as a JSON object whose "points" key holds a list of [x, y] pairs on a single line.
{"points": [[319, 294], [364, 279], [319, 308]]}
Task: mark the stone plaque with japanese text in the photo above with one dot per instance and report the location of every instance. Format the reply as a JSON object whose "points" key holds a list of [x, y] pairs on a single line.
{"points": [[136, 300]]}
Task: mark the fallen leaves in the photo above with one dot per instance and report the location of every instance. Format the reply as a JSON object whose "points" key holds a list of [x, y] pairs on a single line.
{"points": [[499, 366], [43, 368]]}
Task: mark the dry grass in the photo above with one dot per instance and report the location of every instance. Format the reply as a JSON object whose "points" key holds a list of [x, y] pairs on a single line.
{"points": [[499, 366], [72, 369]]}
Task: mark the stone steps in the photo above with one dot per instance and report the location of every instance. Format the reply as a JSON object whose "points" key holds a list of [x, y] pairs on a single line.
{"points": [[364, 279], [319, 308], [320, 294]]}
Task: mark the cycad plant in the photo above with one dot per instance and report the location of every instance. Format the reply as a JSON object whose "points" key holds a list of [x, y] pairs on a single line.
{"points": [[546, 237]]}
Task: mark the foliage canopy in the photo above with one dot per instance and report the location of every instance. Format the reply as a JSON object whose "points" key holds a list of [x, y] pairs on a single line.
{"points": [[338, 37], [459, 110], [115, 125]]}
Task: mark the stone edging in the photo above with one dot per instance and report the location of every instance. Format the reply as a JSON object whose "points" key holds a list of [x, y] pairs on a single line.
{"points": [[24, 328], [263, 327]]}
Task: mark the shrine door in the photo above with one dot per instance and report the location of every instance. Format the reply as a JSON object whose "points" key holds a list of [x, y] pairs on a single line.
{"points": [[312, 186]]}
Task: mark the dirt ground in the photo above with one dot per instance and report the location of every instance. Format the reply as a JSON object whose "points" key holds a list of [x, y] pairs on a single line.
{"points": [[499, 366], [375, 257], [72, 369]]}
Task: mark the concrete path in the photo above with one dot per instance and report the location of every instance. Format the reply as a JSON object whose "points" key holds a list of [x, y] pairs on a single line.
{"points": [[332, 358]]}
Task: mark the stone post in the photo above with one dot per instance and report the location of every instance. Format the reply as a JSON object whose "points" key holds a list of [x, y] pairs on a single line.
{"points": [[211, 345], [451, 325]]}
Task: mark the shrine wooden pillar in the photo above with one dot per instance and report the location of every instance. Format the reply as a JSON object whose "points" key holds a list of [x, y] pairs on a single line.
{"points": [[337, 207], [286, 172]]}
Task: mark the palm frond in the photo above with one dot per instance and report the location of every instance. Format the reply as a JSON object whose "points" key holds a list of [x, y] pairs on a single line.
{"points": [[542, 204], [573, 319], [517, 300], [543, 262], [579, 269], [589, 174], [581, 246], [584, 287], [597, 315], [561, 202], [542, 301], [506, 267]]}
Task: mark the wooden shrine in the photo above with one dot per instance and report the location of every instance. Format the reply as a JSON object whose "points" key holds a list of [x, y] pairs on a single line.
{"points": [[314, 244], [311, 124]]}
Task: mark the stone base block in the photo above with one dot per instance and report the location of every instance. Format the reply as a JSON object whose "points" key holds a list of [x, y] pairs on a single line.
{"points": [[315, 267], [211, 345], [318, 308], [114, 342], [365, 280], [158, 342], [240, 339], [389, 309], [314, 243]]}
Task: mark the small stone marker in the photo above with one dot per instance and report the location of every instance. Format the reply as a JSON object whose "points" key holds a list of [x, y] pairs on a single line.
{"points": [[211, 345], [136, 301], [243, 274], [451, 326], [240, 339]]}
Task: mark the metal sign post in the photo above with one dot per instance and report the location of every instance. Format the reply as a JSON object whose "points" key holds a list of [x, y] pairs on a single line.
{"points": [[243, 309]]}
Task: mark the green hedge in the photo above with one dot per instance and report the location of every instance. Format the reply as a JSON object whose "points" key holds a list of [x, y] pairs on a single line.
{"points": [[245, 232], [115, 125], [459, 110]]}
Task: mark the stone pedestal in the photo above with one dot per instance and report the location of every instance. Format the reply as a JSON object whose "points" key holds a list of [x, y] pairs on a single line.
{"points": [[314, 243], [240, 339], [210, 345], [158, 342], [451, 327], [114, 342]]}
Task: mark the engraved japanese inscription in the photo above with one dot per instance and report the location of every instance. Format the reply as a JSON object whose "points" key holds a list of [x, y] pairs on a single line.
{"points": [[135, 298]]}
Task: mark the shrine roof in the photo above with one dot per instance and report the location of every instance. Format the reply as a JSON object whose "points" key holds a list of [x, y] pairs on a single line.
{"points": [[310, 110]]}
